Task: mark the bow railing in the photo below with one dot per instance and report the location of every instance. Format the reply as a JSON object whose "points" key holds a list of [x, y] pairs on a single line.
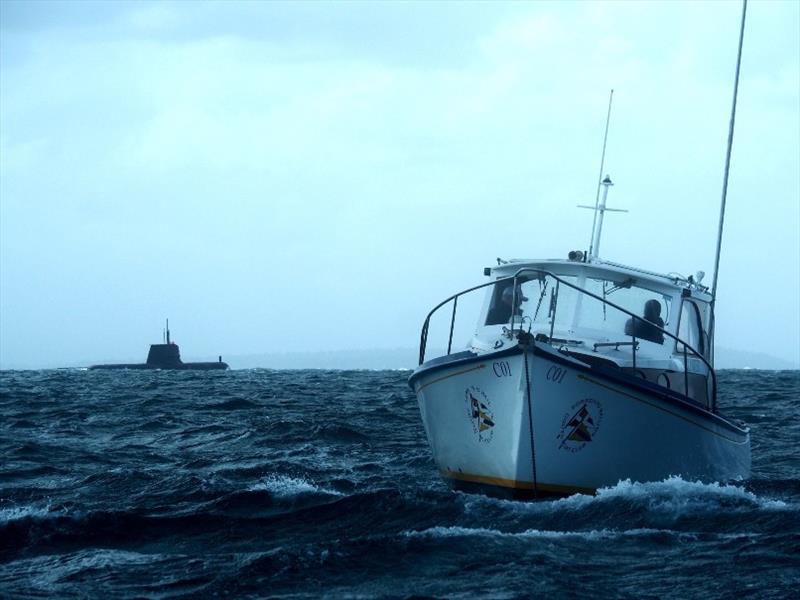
{"points": [[523, 275]]}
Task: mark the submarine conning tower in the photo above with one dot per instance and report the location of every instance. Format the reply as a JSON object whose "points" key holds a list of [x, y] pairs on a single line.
{"points": [[166, 355]]}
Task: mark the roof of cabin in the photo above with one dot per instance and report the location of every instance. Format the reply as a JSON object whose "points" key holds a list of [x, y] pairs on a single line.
{"points": [[608, 270]]}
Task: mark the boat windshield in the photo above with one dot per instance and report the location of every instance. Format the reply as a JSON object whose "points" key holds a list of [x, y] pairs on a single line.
{"points": [[546, 303]]}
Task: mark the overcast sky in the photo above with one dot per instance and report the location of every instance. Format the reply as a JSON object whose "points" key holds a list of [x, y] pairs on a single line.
{"points": [[316, 176]]}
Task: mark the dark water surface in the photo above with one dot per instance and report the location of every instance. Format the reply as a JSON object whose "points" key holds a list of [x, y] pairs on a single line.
{"points": [[320, 483]]}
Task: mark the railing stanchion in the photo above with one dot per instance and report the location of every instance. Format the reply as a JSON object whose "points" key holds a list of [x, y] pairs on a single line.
{"points": [[513, 302], [633, 337], [423, 342], [452, 324], [553, 308]]}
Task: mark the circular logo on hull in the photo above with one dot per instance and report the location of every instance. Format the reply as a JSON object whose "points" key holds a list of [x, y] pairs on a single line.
{"points": [[479, 411], [579, 425]]}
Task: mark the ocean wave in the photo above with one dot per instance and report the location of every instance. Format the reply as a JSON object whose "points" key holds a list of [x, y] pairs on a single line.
{"points": [[338, 433], [17, 513], [590, 535], [329, 488], [102, 571], [673, 495], [60, 530], [233, 404], [676, 494], [284, 486]]}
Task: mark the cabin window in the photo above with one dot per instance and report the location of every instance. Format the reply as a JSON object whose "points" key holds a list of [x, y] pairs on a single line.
{"points": [[576, 312], [500, 306]]}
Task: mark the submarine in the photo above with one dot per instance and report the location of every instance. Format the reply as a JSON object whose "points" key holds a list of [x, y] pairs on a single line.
{"points": [[168, 356]]}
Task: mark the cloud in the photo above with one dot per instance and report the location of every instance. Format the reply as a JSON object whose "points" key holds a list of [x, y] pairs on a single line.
{"points": [[208, 159]]}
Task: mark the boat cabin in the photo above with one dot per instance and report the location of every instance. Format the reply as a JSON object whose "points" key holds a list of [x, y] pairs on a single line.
{"points": [[656, 327]]}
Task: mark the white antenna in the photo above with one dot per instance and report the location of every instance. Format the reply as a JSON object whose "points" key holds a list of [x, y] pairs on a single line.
{"points": [[600, 205], [728, 160], [592, 250]]}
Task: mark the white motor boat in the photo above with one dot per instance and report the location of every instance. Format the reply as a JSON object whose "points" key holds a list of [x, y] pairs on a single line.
{"points": [[581, 373]]}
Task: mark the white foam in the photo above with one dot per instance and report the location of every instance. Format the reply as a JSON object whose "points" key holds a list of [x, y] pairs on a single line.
{"points": [[284, 486], [591, 535], [676, 494], [673, 496], [15, 513]]}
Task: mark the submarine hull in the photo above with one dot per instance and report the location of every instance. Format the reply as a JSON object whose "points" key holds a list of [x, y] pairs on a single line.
{"points": [[199, 366], [168, 356]]}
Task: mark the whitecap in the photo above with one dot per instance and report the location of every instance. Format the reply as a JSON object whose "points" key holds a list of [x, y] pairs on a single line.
{"points": [[590, 535], [675, 494], [283, 486], [16, 513]]}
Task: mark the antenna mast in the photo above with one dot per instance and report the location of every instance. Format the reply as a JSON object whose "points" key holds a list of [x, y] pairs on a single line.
{"points": [[600, 207], [600, 176], [728, 160]]}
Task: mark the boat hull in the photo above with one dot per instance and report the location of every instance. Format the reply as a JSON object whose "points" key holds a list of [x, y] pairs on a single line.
{"points": [[577, 429]]}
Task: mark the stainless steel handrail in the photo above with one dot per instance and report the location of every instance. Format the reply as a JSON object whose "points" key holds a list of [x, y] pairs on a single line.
{"points": [[515, 277]]}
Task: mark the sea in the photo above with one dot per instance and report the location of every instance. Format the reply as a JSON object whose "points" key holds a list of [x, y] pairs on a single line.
{"points": [[320, 484]]}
